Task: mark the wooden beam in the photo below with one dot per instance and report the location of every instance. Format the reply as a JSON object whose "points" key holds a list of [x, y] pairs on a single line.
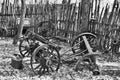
{"points": [[85, 15]]}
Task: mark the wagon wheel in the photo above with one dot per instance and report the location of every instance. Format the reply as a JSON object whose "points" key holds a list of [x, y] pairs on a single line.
{"points": [[46, 28], [80, 45], [45, 59], [24, 47]]}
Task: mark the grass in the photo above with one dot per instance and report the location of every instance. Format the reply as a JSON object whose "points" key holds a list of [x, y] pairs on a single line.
{"points": [[7, 72]]}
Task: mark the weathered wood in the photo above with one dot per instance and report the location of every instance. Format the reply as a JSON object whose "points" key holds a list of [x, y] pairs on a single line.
{"points": [[79, 17], [20, 28], [114, 64], [28, 14], [71, 23], [85, 15]]}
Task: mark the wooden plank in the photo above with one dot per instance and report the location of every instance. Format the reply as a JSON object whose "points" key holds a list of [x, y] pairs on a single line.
{"points": [[114, 64], [112, 12], [85, 15], [79, 17], [105, 21]]}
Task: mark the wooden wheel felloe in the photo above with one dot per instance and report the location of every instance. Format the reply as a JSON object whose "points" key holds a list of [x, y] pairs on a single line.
{"points": [[44, 59], [79, 45]]}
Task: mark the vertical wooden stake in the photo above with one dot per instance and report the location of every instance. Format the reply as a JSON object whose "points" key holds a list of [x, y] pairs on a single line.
{"points": [[20, 28]]}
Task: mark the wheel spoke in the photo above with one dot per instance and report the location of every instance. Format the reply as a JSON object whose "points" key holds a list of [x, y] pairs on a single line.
{"points": [[47, 69], [55, 59], [35, 62], [79, 44], [40, 70], [76, 48], [51, 69], [37, 66], [28, 41], [23, 46], [26, 52], [23, 50], [51, 51], [49, 57], [43, 70]]}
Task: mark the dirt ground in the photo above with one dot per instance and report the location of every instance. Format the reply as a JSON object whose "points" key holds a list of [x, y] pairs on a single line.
{"points": [[7, 72]]}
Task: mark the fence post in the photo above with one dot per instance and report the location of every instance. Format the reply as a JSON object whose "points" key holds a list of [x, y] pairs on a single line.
{"points": [[20, 28], [85, 15]]}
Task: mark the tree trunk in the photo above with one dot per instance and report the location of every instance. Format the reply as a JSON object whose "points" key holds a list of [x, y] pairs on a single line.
{"points": [[20, 27]]}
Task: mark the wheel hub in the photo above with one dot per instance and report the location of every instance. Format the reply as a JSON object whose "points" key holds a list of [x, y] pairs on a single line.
{"points": [[44, 59]]}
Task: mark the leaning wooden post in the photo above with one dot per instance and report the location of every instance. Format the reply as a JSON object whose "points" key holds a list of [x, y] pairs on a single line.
{"points": [[20, 27]]}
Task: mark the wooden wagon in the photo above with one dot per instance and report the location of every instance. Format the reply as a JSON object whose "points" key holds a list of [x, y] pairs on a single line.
{"points": [[44, 42]]}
